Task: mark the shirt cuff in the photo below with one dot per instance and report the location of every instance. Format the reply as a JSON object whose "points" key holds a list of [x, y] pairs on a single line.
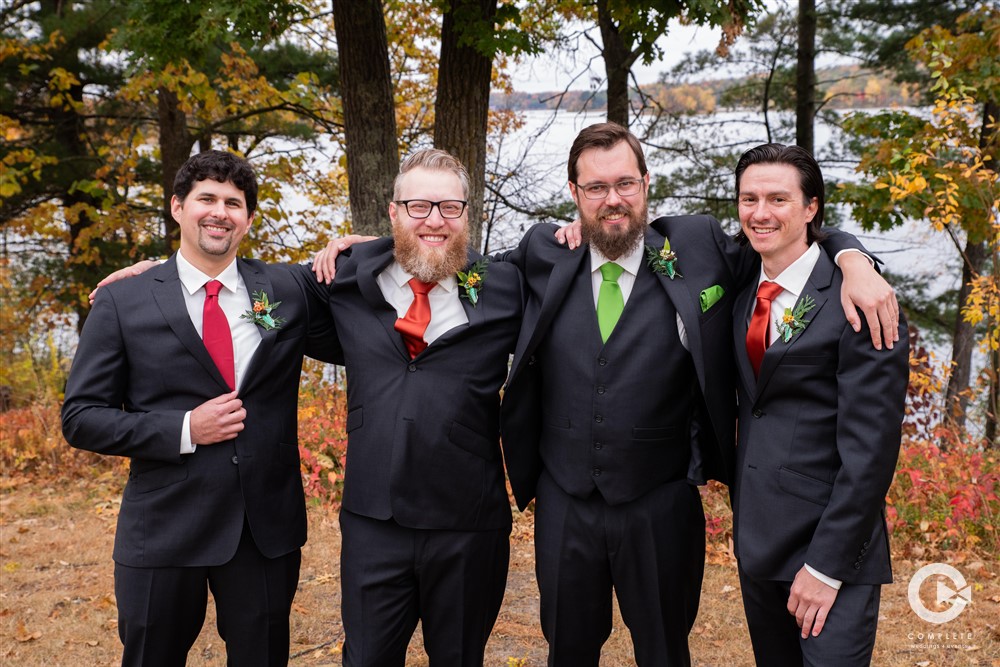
{"points": [[836, 258], [187, 447], [829, 581]]}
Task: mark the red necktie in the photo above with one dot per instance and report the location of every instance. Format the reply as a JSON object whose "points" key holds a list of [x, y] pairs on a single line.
{"points": [[760, 323], [418, 316], [216, 334]]}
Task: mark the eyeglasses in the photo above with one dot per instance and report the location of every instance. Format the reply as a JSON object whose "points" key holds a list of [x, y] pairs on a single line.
{"points": [[624, 188], [421, 208]]}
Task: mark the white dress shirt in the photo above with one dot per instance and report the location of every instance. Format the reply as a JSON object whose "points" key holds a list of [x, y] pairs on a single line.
{"points": [[234, 301], [793, 281], [446, 306], [631, 262]]}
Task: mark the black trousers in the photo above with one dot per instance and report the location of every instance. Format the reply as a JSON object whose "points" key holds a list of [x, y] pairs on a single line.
{"points": [[161, 610], [847, 639], [651, 551], [451, 581]]}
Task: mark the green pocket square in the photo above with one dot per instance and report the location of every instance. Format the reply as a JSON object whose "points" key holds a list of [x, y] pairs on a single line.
{"points": [[709, 296]]}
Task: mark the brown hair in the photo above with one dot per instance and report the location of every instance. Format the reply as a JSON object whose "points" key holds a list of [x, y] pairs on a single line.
{"points": [[810, 179], [605, 136], [434, 159]]}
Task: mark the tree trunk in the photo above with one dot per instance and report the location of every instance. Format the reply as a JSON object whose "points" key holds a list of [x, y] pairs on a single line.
{"points": [[369, 112], [805, 76], [989, 142], [175, 148], [618, 59], [463, 98], [957, 395]]}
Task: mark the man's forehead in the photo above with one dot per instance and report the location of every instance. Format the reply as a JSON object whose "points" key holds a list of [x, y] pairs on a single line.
{"points": [[214, 186], [421, 181], [604, 163]]}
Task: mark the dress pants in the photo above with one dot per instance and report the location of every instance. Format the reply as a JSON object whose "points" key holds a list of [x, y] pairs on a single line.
{"points": [[161, 610], [651, 551], [847, 639], [392, 576]]}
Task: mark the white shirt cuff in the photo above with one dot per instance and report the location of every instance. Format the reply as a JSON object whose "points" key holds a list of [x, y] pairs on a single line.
{"points": [[187, 447], [836, 258], [829, 581]]}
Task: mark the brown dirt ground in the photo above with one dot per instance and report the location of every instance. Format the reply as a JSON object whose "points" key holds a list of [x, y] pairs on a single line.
{"points": [[57, 598]]}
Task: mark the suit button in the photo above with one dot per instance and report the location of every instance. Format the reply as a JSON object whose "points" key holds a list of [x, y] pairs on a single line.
{"points": [[866, 544], [599, 419], [602, 361], [598, 445], [235, 460], [600, 389], [758, 413], [597, 472], [531, 360], [412, 368], [857, 566]]}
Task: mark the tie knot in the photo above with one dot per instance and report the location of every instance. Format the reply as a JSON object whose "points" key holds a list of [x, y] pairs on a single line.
{"points": [[768, 290], [610, 272], [420, 287], [212, 288]]}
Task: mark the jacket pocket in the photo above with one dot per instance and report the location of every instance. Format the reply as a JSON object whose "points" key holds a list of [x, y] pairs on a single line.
{"points": [[156, 478], [472, 441], [660, 433], [804, 487], [355, 420]]}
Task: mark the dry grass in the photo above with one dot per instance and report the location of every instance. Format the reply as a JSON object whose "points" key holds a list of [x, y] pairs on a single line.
{"points": [[57, 600]]}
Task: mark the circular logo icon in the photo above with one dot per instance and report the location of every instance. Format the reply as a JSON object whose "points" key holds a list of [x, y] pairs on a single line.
{"points": [[957, 595]]}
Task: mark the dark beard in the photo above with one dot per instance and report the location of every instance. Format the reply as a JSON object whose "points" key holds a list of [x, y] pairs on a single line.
{"points": [[610, 244], [430, 264]]}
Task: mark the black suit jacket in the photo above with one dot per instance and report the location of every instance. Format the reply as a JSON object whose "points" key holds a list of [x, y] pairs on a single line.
{"points": [[140, 366], [423, 434], [819, 435]]}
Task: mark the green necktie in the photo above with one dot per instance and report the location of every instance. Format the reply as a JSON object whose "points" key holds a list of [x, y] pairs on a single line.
{"points": [[610, 302]]}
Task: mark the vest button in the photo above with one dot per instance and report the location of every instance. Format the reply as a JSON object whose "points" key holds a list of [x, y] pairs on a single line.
{"points": [[599, 419], [758, 413], [598, 445], [602, 361], [412, 368], [600, 389], [597, 472], [235, 460]]}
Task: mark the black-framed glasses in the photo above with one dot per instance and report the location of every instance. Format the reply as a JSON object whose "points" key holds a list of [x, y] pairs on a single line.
{"points": [[625, 188], [421, 208]]}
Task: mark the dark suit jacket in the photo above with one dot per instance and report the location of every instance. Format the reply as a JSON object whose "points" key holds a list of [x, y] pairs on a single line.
{"points": [[423, 434], [707, 257], [140, 366], [818, 439]]}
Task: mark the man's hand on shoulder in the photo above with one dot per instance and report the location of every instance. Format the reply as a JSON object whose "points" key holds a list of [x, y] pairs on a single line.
{"points": [[810, 602], [127, 272], [325, 262], [570, 235], [217, 420], [866, 290]]}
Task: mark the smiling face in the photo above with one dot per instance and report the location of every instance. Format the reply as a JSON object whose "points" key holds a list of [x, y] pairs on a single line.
{"points": [[774, 214], [613, 225], [213, 218], [433, 247]]}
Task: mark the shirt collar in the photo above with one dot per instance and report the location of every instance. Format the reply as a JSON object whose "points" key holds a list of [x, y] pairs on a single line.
{"points": [[630, 261], [400, 277], [793, 279], [193, 279]]}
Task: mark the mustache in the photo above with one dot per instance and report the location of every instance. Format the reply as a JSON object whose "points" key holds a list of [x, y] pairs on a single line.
{"points": [[613, 210]]}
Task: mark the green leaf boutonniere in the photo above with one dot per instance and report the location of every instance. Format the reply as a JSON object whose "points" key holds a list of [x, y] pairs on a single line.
{"points": [[263, 312], [663, 261], [472, 281], [793, 322]]}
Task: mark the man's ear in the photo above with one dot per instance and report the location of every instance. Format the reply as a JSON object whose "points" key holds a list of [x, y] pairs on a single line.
{"points": [[392, 211], [176, 206]]}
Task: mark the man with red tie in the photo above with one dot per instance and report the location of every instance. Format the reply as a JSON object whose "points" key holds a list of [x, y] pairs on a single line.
{"points": [[426, 326], [818, 432], [192, 371]]}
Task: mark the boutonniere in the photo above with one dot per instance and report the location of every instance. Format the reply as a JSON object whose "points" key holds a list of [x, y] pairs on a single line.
{"points": [[263, 312], [793, 322], [663, 261], [471, 281]]}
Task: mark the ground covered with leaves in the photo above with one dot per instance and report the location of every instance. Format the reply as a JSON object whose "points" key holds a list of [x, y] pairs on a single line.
{"points": [[57, 603]]}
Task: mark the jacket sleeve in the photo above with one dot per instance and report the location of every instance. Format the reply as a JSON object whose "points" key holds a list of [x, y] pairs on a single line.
{"points": [[95, 415], [322, 342]]}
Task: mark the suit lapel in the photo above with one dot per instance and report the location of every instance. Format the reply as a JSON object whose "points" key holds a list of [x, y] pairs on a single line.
{"points": [[257, 281], [816, 287], [169, 299], [560, 279], [368, 269], [475, 314], [742, 310]]}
